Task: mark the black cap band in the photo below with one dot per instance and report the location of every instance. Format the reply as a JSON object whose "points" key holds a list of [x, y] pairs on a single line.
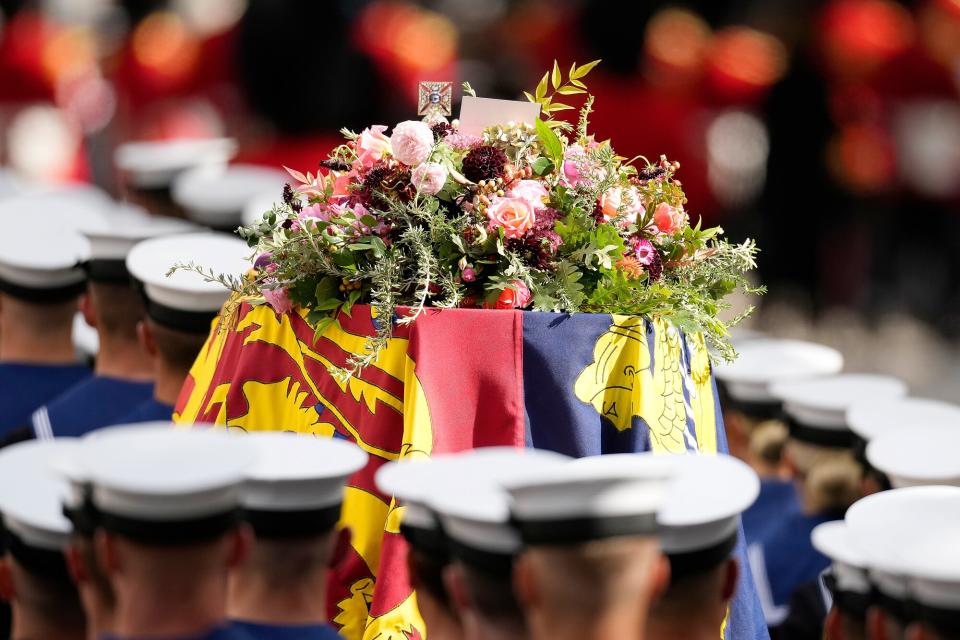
{"points": [[197, 322], [47, 295], [292, 524], [432, 542], [945, 621], [580, 530], [851, 603], [107, 270], [772, 410], [824, 437], [84, 518], [895, 607], [44, 562], [171, 532], [499, 565], [702, 560]]}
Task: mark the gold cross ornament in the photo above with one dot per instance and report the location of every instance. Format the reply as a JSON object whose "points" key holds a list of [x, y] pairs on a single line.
{"points": [[435, 100]]}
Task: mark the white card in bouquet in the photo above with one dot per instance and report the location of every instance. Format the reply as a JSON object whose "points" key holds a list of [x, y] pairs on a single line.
{"points": [[476, 114]]}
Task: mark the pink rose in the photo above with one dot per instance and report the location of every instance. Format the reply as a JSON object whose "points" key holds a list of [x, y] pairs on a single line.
{"points": [[278, 299], [618, 201], [531, 191], [429, 177], [514, 215], [578, 168], [516, 296], [372, 145], [412, 142], [341, 185], [669, 219]]}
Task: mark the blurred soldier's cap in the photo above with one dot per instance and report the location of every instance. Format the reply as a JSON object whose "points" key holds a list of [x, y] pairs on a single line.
{"points": [[217, 196], [590, 499], [848, 579], [766, 361], [700, 518], [816, 409], [925, 455], [874, 417], [185, 300], [159, 484], [473, 507], [153, 164], [296, 486]]}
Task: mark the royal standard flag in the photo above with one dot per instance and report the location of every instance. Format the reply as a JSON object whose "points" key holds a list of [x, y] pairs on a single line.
{"points": [[455, 379]]}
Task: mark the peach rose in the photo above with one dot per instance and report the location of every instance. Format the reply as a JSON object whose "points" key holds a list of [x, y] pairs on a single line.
{"points": [[669, 219], [514, 215], [372, 145], [618, 201]]}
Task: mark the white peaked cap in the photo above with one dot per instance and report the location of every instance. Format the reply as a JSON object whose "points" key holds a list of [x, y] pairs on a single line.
{"points": [[705, 499], [257, 206], [932, 562], [470, 501], [765, 361], [44, 263], [158, 473], [217, 196], [155, 164], [918, 456], [128, 225], [151, 260], [834, 540], [822, 403], [32, 493], [298, 472], [884, 525], [591, 498], [872, 418]]}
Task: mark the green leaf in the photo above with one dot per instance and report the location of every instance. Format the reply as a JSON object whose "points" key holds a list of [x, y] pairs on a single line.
{"points": [[558, 106], [541, 92], [569, 91], [577, 83], [327, 288], [556, 77], [368, 220], [360, 246], [584, 70], [551, 142], [328, 305], [542, 166], [321, 325], [379, 247], [344, 259], [529, 96]]}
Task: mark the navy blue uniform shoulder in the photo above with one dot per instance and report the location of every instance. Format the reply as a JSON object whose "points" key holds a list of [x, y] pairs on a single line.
{"points": [[777, 499], [91, 404], [148, 411], [260, 631], [26, 387], [224, 632]]}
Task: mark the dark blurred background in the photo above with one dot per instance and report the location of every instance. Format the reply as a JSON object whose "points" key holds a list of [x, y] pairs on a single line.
{"points": [[827, 130]]}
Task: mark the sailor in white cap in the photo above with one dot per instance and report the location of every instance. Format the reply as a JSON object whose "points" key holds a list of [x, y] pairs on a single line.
{"points": [[923, 455], [292, 497], [474, 513], [217, 196], [123, 371], [885, 526], [933, 567], [41, 280], [699, 530], [876, 418], [149, 167], [592, 563], [168, 504], [408, 481], [34, 576], [96, 593], [846, 596], [180, 307], [819, 450], [752, 417]]}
